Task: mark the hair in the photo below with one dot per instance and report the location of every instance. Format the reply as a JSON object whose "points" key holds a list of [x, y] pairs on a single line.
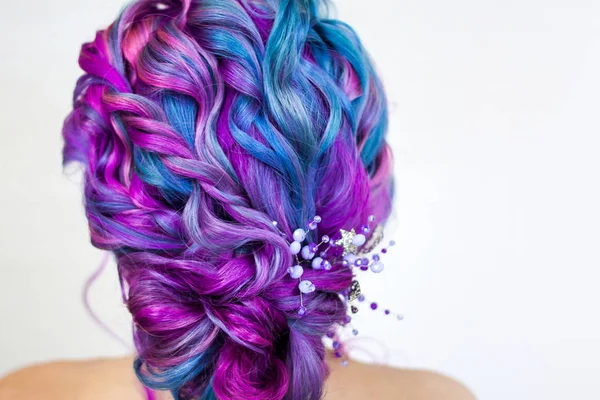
{"points": [[199, 123]]}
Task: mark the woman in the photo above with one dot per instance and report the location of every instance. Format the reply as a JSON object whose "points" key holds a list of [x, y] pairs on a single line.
{"points": [[236, 166]]}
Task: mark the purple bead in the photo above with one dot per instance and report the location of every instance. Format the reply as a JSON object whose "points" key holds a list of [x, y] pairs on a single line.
{"points": [[312, 225], [361, 298], [365, 229], [399, 317], [355, 332], [384, 251], [336, 345], [358, 262], [392, 242], [330, 335], [347, 319], [338, 354], [325, 239], [302, 311], [376, 257], [364, 268], [326, 265], [365, 261], [323, 254], [387, 312], [312, 247], [373, 306]]}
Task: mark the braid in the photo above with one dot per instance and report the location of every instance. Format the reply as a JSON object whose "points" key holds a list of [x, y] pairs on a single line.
{"points": [[198, 123]]}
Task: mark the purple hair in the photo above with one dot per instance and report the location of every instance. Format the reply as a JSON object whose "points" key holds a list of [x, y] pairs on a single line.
{"points": [[198, 123]]}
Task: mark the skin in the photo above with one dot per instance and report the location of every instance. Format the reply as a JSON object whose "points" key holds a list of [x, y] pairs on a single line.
{"points": [[114, 379]]}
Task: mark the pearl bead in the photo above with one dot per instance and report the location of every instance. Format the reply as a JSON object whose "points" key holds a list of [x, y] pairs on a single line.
{"points": [[317, 219], [306, 253], [350, 258], [345, 363], [312, 225], [296, 271], [359, 240], [306, 287], [365, 229], [302, 311], [377, 267], [371, 218], [274, 223], [325, 239], [399, 317], [392, 242], [326, 265], [376, 257], [316, 262], [295, 247], [299, 235]]}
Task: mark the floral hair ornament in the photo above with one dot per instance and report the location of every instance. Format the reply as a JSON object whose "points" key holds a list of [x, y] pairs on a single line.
{"points": [[352, 250]]}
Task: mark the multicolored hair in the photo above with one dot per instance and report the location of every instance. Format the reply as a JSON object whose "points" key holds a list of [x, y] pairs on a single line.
{"points": [[198, 123]]}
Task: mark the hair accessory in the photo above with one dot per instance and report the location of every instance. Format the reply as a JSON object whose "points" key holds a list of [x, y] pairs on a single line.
{"points": [[350, 249], [307, 252]]}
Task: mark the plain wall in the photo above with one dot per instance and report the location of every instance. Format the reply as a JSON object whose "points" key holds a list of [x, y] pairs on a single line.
{"points": [[495, 128]]}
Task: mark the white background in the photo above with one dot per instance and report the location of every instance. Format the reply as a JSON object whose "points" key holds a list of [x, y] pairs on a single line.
{"points": [[495, 129]]}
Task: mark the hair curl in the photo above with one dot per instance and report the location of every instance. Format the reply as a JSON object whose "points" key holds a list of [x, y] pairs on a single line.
{"points": [[198, 123]]}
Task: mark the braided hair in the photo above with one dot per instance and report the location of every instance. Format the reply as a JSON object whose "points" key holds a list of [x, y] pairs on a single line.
{"points": [[198, 123]]}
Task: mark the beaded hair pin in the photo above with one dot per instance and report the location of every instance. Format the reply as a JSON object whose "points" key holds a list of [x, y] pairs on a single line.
{"points": [[351, 250]]}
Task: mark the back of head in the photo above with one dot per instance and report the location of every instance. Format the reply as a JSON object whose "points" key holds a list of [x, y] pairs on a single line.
{"points": [[199, 123]]}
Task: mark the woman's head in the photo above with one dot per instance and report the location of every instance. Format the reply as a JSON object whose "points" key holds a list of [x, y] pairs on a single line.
{"points": [[199, 123]]}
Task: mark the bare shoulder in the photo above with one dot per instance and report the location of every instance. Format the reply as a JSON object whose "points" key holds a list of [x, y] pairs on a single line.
{"points": [[360, 381], [114, 379], [73, 380]]}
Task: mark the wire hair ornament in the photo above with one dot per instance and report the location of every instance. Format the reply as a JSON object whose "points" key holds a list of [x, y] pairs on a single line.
{"points": [[349, 249]]}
